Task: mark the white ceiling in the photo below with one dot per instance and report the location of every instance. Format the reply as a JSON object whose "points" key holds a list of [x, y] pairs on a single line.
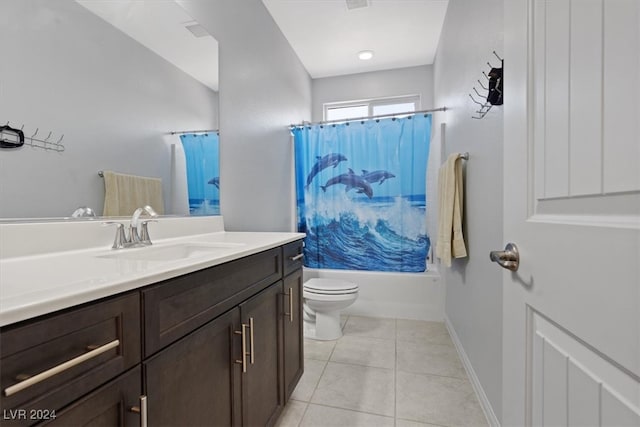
{"points": [[327, 36], [160, 26]]}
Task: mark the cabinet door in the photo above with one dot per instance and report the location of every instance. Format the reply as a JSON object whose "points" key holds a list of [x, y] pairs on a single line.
{"points": [[194, 381], [110, 405], [262, 396], [293, 341]]}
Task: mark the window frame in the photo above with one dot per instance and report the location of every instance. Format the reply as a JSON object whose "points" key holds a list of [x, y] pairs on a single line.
{"points": [[371, 103]]}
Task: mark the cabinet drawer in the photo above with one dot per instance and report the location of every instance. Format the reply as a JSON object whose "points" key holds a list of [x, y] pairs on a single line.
{"points": [[110, 405], [291, 256], [50, 362], [177, 306]]}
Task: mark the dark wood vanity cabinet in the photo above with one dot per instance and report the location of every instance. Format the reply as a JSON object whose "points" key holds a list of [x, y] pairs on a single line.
{"points": [[195, 382], [177, 344], [49, 362], [262, 398], [110, 405], [293, 355]]}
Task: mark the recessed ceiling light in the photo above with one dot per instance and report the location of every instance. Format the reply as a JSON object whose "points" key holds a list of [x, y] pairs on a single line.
{"points": [[196, 29], [357, 4], [365, 55]]}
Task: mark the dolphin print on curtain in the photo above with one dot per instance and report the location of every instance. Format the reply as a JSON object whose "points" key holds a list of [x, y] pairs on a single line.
{"points": [[361, 193], [203, 172]]}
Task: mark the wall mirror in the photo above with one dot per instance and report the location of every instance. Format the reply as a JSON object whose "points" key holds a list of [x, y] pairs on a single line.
{"points": [[105, 85]]}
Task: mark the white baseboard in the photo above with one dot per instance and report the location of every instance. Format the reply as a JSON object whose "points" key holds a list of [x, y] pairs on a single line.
{"points": [[475, 382]]}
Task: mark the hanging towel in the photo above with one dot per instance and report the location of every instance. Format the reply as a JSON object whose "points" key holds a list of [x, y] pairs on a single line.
{"points": [[450, 238], [125, 193]]}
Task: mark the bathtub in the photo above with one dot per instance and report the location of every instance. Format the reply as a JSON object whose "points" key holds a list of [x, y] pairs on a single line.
{"points": [[418, 296]]}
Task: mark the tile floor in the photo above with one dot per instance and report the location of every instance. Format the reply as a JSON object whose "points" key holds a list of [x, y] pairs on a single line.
{"points": [[384, 372]]}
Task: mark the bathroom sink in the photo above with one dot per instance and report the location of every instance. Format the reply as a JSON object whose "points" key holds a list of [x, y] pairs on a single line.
{"points": [[172, 252]]}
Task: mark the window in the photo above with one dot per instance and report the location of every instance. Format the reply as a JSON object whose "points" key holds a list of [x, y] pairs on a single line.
{"points": [[371, 107]]}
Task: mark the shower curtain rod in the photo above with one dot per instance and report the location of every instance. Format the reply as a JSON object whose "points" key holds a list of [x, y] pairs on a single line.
{"points": [[179, 132], [379, 116]]}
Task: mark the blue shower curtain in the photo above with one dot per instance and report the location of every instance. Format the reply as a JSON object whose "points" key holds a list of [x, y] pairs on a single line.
{"points": [[361, 194], [203, 172]]}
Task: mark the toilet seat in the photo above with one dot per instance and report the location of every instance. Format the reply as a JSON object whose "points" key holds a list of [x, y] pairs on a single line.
{"points": [[330, 287], [316, 292]]}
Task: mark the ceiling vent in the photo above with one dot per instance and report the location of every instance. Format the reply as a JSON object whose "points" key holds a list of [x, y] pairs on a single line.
{"points": [[196, 29], [357, 4]]}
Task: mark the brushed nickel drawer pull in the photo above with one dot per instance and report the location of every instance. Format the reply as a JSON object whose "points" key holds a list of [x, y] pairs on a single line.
{"points": [[142, 410], [59, 368], [243, 334], [289, 313], [297, 257]]}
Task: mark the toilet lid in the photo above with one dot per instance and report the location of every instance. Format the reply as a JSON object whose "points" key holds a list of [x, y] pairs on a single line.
{"points": [[330, 286]]}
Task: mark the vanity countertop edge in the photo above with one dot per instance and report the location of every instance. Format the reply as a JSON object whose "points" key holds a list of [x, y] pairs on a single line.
{"points": [[31, 286]]}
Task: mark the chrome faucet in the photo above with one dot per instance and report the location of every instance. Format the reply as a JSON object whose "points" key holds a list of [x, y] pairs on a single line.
{"points": [[141, 237], [135, 238], [83, 211]]}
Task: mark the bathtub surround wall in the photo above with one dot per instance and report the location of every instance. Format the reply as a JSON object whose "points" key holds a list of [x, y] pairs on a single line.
{"points": [[375, 84], [113, 99], [263, 88], [418, 296], [472, 30]]}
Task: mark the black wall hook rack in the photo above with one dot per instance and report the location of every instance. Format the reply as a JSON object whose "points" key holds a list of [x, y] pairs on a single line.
{"points": [[32, 141], [492, 93]]}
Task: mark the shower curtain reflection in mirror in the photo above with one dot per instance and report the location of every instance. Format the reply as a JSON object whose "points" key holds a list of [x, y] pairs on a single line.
{"points": [[203, 172], [361, 194]]}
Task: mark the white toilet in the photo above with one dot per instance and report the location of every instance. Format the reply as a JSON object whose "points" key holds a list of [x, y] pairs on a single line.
{"points": [[323, 301]]}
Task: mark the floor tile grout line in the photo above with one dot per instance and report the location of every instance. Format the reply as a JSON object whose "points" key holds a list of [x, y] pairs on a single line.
{"points": [[421, 422], [395, 376], [303, 413], [353, 410], [359, 366], [319, 379], [436, 375]]}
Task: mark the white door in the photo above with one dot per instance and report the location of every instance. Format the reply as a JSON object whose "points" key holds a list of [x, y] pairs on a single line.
{"points": [[572, 206]]}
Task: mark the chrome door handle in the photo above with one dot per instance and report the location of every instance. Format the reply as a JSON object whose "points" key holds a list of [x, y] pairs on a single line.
{"points": [[509, 258]]}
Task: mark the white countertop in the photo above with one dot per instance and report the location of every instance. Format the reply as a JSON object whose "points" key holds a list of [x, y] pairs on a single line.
{"points": [[34, 285]]}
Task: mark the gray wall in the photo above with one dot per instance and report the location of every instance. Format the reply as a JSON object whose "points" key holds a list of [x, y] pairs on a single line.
{"points": [[263, 89], [66, 70], [376, 84], [472, 30]]}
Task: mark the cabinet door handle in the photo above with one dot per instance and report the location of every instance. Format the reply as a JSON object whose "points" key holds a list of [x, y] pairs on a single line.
{"points": [[251, 339], [290, 297], [142, 410], [32, 380], [243, 333], [297, 257], [290, 305]]}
